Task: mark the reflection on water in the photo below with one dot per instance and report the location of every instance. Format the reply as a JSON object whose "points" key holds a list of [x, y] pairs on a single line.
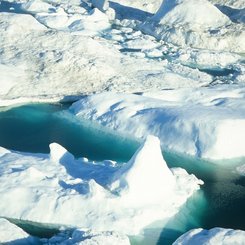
{"points": [[220, 202]]}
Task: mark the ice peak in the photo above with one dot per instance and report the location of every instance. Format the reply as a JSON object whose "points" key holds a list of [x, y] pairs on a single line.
{"points": [[146, 174], [58, 153]]}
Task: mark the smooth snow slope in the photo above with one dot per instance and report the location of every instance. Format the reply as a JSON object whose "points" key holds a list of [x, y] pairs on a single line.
{"points": [[60, 190], [212, 237], [206, 123]]}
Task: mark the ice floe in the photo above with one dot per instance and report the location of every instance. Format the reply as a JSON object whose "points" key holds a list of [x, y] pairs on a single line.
{"points": [[60, 190], [207, 123], [212, 237]]}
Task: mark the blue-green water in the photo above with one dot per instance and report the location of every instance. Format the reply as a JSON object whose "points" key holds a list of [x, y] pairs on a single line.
{"points": [[220, 202], [31, 128]]}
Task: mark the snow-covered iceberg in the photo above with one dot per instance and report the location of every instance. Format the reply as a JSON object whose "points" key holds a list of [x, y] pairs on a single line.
{"points": [[212, 237], [60, 190], [196, 23], [207, 123]]}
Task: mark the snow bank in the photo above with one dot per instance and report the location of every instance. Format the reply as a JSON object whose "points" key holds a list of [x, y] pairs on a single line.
{"points": [[181, 23], [206, 123], [11, 234], [93, 196], [212, 237]]}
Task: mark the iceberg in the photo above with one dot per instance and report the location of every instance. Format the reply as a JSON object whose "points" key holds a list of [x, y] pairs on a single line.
{"points": [[206, 123], [58, 189], [212, 237]]}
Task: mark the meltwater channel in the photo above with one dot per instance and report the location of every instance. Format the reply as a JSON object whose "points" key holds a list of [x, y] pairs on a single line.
{"points": [[219, 203]]}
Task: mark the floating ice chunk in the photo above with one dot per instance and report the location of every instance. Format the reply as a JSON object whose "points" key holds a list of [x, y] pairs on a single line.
{"points": [[212, 237], [58, 183], [146, 175], [241, 170]]}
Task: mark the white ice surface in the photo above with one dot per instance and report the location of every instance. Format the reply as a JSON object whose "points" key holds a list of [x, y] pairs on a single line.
{"points": [[57, 49], [11, 234], [241, 169], [60, 190], [207, 123], [196, 23], [212, 237]]}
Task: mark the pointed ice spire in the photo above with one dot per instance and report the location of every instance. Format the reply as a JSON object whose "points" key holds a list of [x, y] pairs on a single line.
{"points": [[146, 175], [58, 153]]}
